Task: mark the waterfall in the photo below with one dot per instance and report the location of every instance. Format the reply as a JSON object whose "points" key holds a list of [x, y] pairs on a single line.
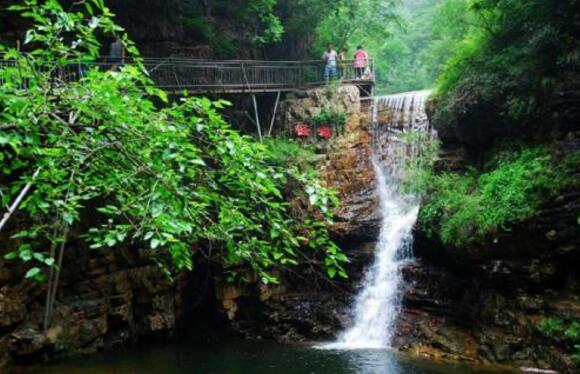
{"points": [[400, 126]]}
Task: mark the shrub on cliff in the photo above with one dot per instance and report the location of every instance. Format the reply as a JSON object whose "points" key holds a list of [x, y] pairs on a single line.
{"points": [[464, 209], [176, 180], [565, 334]]}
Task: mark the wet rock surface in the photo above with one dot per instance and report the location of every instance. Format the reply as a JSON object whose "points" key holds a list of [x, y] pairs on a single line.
{"points": [[290, 316]]}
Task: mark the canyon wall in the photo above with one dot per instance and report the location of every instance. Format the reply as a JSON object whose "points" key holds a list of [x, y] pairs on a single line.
{"points": [[486, 301]]}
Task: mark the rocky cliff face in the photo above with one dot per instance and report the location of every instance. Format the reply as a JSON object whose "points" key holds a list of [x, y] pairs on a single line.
{"points": [[119, 296], [486, 303], [104, 299]]}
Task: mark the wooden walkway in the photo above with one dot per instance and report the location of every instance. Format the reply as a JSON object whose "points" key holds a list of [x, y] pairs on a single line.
{"points": [[231, 76], [251, 76]]}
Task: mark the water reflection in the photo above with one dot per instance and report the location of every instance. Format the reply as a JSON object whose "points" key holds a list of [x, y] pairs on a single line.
{"points": [[373, 362], [249, 358]]}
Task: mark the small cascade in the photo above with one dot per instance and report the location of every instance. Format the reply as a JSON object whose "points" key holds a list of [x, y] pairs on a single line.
{"points": [[400, 128]]}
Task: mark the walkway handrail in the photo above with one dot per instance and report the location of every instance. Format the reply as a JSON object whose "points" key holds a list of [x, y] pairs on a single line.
{"points": [[206, 76]]}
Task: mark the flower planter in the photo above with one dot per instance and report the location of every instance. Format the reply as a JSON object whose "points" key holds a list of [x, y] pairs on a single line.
{"points": [[325, 131], [302, 130]]}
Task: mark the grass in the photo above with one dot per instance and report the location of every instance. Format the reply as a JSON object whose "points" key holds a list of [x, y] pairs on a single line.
{"points": [[290, 151]]}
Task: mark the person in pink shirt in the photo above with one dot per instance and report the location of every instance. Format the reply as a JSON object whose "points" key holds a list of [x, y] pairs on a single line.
{"points": [[361, 61]]}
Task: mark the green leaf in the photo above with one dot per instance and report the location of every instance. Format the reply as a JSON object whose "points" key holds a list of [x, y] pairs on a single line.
{"points": [[110, 241], [198, 161], [33, 273], [29, 36], [11, 255], [331, 272]]}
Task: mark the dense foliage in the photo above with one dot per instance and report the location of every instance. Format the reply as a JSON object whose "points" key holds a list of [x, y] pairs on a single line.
{"points": [[410, 41], [108, 165], [508, 59], [467, 208], [288, 151], [346, 23], [416, 52], [514, 54]]}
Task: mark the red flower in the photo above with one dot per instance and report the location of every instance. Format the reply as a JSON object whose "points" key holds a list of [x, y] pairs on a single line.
{"points": [[302, 130], [325, 132]]}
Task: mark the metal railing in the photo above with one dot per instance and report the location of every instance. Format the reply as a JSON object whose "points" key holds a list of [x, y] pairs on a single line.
{"points": [[207, 76]]}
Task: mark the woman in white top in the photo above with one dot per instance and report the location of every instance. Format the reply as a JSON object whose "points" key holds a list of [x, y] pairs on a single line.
{"points": [[330, 58]]}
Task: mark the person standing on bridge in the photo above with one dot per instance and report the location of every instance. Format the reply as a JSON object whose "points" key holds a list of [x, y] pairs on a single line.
{"points": [[330, 58], [116, 53], [361, 62]]}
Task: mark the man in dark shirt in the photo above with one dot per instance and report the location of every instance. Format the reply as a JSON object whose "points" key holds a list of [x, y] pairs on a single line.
{"points": [[116, 53]]}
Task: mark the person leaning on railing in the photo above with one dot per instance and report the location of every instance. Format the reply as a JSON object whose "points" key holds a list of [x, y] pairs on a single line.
{"points": [[361, 62]]}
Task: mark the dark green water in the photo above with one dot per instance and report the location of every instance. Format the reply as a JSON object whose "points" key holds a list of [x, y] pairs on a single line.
{"points": [[250, 358]]}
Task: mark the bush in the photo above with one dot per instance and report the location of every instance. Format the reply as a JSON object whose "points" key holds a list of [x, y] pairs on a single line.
{"points": [[567, 333], [465, 208], [332, 117], [551, 327]]}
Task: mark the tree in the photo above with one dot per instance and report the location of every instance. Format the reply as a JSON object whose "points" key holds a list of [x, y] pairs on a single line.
{"points": [[350, 21], [174, 179], [415, 53]]}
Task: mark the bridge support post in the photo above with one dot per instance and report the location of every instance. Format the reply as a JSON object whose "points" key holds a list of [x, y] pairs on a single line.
{"points": [[257, 118], [274, 114]]}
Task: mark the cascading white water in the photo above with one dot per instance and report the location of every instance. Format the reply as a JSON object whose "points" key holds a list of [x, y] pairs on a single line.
{"points": [[403, 130]]}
